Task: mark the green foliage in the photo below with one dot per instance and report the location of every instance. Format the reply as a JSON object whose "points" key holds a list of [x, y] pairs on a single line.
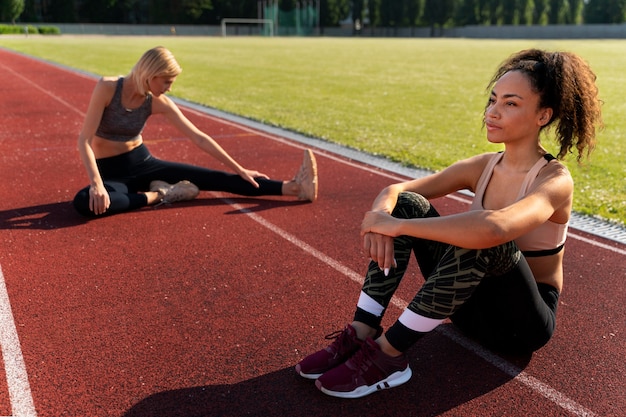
{"points": [[48, 30], [10, 10], [439, 12], [415, 101], [195, 8], [17, 29], [605, 11], [29, 30], [380, 13]]}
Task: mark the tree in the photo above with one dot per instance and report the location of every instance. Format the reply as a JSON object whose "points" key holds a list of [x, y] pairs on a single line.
{"points": [[575, 11], [358, 7], [558, 12], [414, 10], [373, 12], [10, 10], [510, 10], [605, 11], [438, 13], [526, 12], [194, 9], [540, 14], [469, 13], [180, 11], [63, 11], [494, 10], [333, 11]]}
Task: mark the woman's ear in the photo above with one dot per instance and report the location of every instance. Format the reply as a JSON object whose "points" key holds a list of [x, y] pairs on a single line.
{"points": [[546, 116]]}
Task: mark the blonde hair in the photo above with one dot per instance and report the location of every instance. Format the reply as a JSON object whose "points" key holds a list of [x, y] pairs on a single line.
{"points": [[155, 62]]}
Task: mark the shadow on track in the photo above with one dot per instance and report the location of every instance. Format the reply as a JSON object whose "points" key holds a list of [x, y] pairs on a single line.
{"points": [[445, 376], [42, 217], [61, 215]]}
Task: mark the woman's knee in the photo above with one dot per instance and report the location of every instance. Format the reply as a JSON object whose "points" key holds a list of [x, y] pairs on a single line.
{"points": [[411, 205], [81, 203]]}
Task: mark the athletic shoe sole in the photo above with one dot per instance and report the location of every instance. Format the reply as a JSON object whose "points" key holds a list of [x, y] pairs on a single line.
{"points": [[307, 376], [393, 380]]}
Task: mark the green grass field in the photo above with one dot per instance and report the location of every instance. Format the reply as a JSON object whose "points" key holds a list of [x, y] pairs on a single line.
{"points": [[415, 101]]}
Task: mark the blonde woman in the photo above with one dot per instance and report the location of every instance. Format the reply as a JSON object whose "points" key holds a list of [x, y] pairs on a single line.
{"points": [[124, 176]]}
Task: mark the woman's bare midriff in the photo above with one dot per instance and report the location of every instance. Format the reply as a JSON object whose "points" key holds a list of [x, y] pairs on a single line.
{"points": [[105, 148], [548, 269]]}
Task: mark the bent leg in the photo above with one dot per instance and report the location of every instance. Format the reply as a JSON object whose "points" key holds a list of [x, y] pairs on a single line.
{"points": [[448, 287], [378, 289], [122, 200], [511, 312]]}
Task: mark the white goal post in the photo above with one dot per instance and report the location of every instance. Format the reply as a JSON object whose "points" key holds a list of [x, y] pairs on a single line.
{"points": [[268, 22]]}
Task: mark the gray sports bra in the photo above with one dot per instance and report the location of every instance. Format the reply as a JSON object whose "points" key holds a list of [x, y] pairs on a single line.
{"points": [[121, 124]]}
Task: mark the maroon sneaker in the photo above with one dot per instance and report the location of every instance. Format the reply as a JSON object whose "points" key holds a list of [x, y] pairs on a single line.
{"points": [[344, 346], [368, 371]]}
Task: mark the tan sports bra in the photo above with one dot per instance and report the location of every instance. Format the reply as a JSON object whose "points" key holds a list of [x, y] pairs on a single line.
{"points": [[547, 239]]}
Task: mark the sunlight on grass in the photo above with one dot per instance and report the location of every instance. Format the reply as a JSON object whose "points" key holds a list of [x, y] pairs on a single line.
{"points": [[415, 101]]}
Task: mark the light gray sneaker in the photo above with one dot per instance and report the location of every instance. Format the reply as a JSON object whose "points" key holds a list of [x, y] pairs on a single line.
{"points": [[171, 193], [306, 177]]}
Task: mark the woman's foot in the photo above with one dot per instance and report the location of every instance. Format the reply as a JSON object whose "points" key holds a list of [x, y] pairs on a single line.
{"points": [[345, 343], [306, 178], [171, 193]]}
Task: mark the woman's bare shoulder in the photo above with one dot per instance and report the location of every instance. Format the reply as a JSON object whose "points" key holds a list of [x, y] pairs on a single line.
{"points": [[109, 82], [475, 163], [106, 86], [163, 104], [556, 174]]}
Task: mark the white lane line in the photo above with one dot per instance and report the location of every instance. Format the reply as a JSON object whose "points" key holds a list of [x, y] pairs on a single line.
{"points": [[509, 369], [598, 244], [43, 90], [22, 404]]}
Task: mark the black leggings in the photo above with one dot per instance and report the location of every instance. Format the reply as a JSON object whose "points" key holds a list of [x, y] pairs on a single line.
{"points": [[126, 176], [490, 294]]}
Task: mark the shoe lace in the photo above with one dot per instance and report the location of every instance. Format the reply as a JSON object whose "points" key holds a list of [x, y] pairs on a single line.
{"points": [[163, 200], [341, 341], [364, 356]]}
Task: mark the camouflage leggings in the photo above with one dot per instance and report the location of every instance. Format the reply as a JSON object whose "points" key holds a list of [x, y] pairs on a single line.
{"points": [[452, 276]]}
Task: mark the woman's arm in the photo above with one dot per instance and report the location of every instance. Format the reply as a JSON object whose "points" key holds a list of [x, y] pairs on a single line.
{"points": [[99, 200], [462, 175], [550, 197], [165, 105]]}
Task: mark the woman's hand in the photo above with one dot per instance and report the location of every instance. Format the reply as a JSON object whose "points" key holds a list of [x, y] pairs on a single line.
{"points": [[380, 222], [378, 230], [379, 248], [250, 175], [99, 199]]}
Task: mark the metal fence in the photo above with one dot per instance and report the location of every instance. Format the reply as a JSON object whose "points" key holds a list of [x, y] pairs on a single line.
{"points": [[617, 31]]}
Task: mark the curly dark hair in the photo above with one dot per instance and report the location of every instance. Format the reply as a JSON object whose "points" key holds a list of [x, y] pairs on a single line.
{"points": [[565, 83]]}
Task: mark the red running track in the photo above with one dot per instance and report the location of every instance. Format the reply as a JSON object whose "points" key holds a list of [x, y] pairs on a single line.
{"points": [[203, 308]]}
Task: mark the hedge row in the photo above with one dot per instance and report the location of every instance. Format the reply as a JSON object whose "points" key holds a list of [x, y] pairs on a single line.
{"points": [[29, 29]]}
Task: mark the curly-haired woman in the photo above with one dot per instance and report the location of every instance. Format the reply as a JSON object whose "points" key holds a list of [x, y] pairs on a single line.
{"points": [[496, 271]]}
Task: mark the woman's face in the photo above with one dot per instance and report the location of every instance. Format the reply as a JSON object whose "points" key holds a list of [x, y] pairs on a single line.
{"points": [[160, 84], [513, 111]]}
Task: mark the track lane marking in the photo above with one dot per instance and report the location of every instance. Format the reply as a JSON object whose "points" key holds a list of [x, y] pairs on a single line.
{"points": [[22, 404], [43, 90]]}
